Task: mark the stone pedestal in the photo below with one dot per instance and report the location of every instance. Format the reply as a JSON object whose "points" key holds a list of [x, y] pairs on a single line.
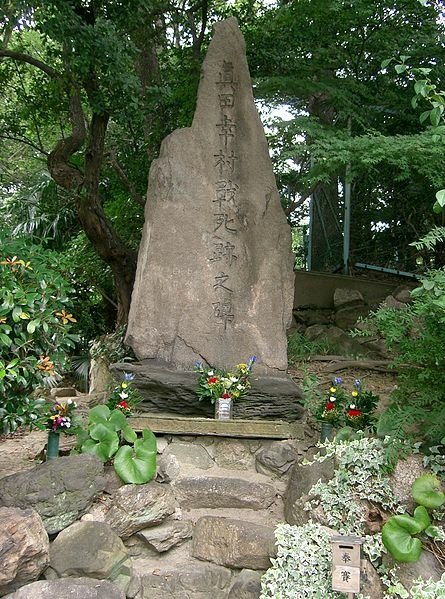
{"points": [[168, 391]]}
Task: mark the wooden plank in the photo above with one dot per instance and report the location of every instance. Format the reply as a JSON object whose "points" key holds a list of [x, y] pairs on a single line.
{"points": [[180, 425]]}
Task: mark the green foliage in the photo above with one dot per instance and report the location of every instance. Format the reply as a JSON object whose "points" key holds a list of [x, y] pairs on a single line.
{"points": [[303, 564], [109, 437], [398, 534], [428, 589], [35, 327], [299, 348], [416, 336]]}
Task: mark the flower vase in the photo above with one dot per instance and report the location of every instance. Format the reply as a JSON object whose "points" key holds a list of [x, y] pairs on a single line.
{"points": [[52, 449], [326, 432], [223, 408]]}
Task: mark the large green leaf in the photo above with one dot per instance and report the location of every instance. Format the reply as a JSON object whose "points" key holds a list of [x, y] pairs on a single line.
{"points": [[413, 524], [104, 442], [137, 465], [399, 542], [426, 491]]}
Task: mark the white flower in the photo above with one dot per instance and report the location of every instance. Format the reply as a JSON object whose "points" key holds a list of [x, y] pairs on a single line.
{"points": [[69, 402], [332, 398], [123, 395], [210, 373], [352, 406], [234, 379], [240, 387]]}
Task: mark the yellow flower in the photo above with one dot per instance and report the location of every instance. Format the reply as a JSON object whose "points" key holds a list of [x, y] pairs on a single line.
{"points": [[354, 393], [65, 317], [333, 389]]}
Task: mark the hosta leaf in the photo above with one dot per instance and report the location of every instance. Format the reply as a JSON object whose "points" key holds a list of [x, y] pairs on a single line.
{"points": [[400, 543], [137, 465], [426, 491]]}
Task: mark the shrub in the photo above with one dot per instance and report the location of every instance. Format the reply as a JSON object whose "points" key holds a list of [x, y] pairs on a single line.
{"points": [[35, 325], [416, 336]]}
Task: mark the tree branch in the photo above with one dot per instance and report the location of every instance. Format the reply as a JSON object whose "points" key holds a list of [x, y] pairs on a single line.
{"points": [[30, 60], [126, 181], [25, 141]]}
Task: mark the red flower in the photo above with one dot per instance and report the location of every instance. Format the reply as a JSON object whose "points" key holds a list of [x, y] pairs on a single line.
{"points": [[212, 380], [123, 404], [354, 413], [329, 406], [226, 395]]}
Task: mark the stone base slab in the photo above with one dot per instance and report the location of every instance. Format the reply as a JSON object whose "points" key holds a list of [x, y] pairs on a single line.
{"points": [[168, 391]]}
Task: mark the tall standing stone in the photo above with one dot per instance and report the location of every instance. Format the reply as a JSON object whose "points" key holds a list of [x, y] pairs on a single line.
{"points": [[215, 272]]}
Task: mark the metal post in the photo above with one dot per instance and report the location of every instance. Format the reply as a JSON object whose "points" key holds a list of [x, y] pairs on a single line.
{"points": [[347, 213]]}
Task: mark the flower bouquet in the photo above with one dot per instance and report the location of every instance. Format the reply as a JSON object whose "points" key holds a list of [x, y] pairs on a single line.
{"points": [[331, 408], [59, 419], [219, 385], [360, 408], [125, 397]]}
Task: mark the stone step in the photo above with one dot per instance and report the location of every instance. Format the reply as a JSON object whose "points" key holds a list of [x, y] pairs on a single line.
{"points": [[201, 569]]}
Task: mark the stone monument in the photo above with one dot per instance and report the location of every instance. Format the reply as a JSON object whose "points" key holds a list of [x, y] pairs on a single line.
{"points": [[215, 279]]}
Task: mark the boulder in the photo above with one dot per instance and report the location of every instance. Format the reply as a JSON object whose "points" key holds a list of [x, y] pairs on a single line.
{"points": [[247, 585], [60, 490], [276, 458], [223, 492], [302, 479], [402, 478], [233, 543], [347, 297], [135, 507], [370, 583], [233, 454], [169, 391], [189, 455], [167, 535], [192, 580], [346, 318], [90, 549], [24, 548], [69, 588]]}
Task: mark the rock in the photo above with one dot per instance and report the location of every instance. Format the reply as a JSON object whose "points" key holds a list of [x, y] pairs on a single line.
{"points": [[402, 478], [135, 507], [277, 458], [302, 479], [63, 392], [218, 492], [315, 331], [370, 584], [167, 535], [90, 549], [203, 289], [233, 543], [233, 454], [391, 302], [193, 580], [347, 297], [427, 566], [60, 490], [189, 455], [344, 344], [403, 294], [247, 585], [168, 468], [69, 588], [171, 391], [310, 317], [346, 317], [24, 548]]}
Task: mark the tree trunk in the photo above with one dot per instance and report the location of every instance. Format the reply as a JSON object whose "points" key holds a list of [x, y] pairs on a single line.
{"points": [[97, 227]]}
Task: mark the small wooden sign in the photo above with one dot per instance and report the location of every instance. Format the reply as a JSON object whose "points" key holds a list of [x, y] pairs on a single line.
{"points": [[346, 563]]}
